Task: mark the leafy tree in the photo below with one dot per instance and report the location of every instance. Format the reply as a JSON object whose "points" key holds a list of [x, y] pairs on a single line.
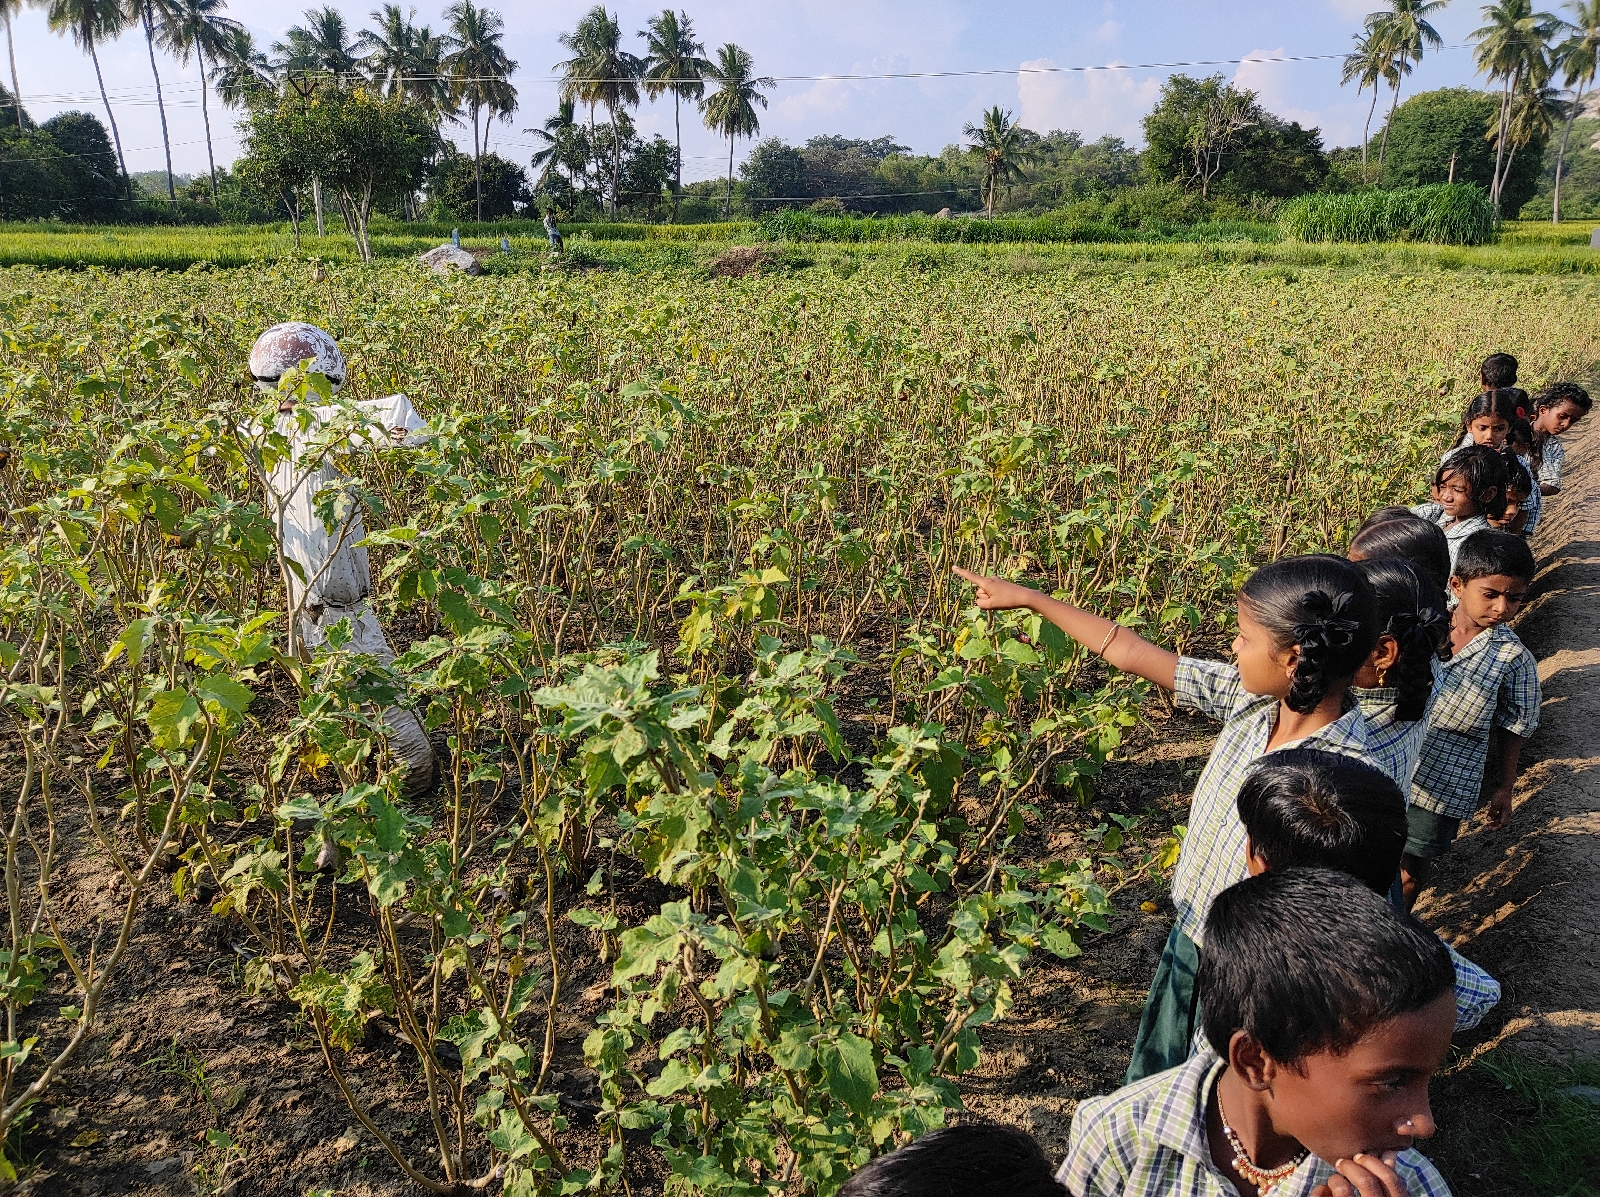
{"points": [[731, 109], [92, 188], [773, 170], [648, 168], [285, 144], [1439, 135], [460, 186], [1578, 58], [198, 28], [1511, 50], [378, 148], [1208, 133], [90, 22], [480, 71], [1404, 32], [1001, 144], [674, 62]]}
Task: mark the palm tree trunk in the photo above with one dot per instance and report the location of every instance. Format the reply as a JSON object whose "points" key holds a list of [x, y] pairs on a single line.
{"points": [[1366, 132], [111, 120], [677, 181], [161, 107], [727, 203], [1500, 145], [1383, 147], [1561, 155], [616, 158], [16, 90], [205, 110], [316, 202], [477, 164]]}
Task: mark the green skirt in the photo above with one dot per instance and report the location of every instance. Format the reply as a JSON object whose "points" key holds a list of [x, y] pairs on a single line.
{"points": [[1166, 1029]]}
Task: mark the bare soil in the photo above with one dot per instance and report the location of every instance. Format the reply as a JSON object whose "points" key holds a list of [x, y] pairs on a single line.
{"points": [[130, 1116]]}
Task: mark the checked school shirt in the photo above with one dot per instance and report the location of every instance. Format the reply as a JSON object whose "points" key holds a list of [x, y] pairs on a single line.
{"points": [[1395, 746], [1455, 534], [1550, 461], [1148, 1139], [1492, 682], [1213, 857]]}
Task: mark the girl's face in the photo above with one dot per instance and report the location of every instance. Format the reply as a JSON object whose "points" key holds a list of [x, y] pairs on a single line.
{"points": [[1263, 667], [1556, 420], [1513, 505], [1488, 430], [1454, 494]]}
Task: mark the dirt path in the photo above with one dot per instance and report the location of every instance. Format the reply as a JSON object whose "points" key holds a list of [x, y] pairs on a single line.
{"points": [[1524, 903]]}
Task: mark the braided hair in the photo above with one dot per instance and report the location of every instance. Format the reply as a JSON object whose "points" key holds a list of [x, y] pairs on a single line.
{"points": [[1327, 608], [1412, 611]]}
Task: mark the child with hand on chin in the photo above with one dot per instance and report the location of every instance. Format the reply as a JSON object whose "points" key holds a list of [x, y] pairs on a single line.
{"points": [[1306, 626], [1326, 1013]]}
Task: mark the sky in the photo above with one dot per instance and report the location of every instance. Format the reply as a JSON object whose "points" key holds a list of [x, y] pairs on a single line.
{"points": [[1015, 50]]}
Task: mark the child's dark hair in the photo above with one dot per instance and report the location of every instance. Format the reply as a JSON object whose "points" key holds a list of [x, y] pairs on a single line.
{"points": [[1525, 441], [1412, 611], [1484, 554], [1518, 476], [981, 1159], [1508, 403], [1498, 370], [1482, 469], [1304, 807], [1324, 605], [1558, 393], [1310, 960], [1409, 537]]}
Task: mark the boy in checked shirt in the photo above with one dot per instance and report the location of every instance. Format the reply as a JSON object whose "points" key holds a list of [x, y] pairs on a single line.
{"points": [[1487, 691]]}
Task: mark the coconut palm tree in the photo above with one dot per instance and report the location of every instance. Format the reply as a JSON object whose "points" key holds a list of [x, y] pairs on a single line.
{"points": [[7, 7], [1579, 58], [731, 109], [999, 140], [1534, 111], [90, 22], [1402, 34], [409, 59], [479, 69], [600, 71], [1370, 64], [145, 12], [241, 70], [564, 144], [675, 63], [1511, 48], [197, 27], [323, 43]]}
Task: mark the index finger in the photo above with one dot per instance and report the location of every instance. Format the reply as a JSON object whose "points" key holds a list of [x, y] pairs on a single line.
{"points": [[1372, 1177], [967, 575]]}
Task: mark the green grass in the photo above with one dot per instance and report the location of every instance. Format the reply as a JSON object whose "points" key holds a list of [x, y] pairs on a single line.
{"points": [[1552, 1140], [1441, 214]]}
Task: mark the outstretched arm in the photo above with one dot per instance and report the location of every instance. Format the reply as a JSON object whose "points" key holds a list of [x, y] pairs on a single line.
{"points": [[1124, 650]]}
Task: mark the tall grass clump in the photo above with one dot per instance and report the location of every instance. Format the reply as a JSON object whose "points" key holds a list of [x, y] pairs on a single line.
{"points": [[1441, 213]]}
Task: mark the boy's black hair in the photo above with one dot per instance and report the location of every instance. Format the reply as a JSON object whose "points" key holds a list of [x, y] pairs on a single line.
{"points": [[1498, 370], [1487, 553], [1482, 469], [1517, 474], [1412, 611], [1522, 437], [1310, 960], [1323, 604], [1410, 538], [1303, 807], [972, 1160], [1558, 393]]}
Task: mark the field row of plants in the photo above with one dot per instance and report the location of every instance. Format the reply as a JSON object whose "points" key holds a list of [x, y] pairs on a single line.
{"points": [[733, 773]]}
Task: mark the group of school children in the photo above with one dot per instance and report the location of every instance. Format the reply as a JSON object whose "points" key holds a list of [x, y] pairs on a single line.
{"points": [[1299, 1010]]}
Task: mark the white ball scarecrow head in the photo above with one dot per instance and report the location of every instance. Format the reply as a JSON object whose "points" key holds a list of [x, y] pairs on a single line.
{"points": [[284, 346]]}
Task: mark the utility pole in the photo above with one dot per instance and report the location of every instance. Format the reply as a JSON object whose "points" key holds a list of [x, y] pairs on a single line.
{"points": [[1452, 166]]}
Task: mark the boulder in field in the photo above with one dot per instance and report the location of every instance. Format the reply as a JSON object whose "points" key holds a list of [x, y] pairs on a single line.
{"points": [[448, 259]]}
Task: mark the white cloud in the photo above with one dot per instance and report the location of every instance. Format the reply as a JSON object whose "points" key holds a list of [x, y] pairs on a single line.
{"points": [[1094, 103], [1110, 31]]}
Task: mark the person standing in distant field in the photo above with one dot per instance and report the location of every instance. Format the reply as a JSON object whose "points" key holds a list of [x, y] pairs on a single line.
{"points": [[557, 242]]}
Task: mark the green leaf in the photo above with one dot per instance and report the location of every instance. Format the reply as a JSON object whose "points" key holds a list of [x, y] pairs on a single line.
{"points": [[171, 716], [225, 692], [851, 1075]]}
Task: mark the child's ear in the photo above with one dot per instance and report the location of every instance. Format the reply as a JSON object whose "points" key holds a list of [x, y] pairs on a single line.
{"points": [[1257, 864], [1250, 1061]]}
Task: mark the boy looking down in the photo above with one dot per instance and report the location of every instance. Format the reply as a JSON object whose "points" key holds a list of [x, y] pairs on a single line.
{"points": [[1326, 1013]]}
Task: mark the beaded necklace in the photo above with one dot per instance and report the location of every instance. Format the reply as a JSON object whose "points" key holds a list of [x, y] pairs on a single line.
{"points": [[1264, 1179]]}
